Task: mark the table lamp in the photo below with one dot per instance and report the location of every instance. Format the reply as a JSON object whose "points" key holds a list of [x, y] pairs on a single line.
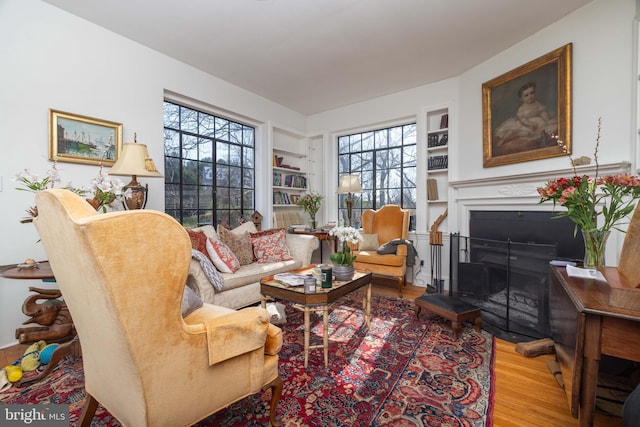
{"points": [[134, 160], [349, 184]]}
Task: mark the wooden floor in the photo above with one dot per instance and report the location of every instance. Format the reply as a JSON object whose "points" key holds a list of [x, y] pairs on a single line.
{"points": [[526, 393]]}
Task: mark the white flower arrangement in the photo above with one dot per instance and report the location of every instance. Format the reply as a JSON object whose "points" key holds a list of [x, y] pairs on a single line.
{"points": [[346, 235]]}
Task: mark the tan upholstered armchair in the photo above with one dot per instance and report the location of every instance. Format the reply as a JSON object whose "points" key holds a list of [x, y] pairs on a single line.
{"points": [[122, 275], [382, 226]]}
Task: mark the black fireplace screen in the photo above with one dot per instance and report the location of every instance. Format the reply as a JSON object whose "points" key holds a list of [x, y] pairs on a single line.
{"points": [[503, 267]]}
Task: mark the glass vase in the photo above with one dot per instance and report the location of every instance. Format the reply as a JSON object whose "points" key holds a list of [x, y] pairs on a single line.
{"points": [[595, 243]]}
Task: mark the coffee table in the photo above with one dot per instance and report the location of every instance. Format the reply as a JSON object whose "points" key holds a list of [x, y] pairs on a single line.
{"points": [[319, 301]]}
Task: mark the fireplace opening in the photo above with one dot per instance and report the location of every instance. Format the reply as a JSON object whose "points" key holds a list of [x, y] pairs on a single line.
{"points": [[503, 268]]}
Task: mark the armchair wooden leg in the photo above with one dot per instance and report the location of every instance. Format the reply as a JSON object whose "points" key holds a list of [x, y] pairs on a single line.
{"points": [[400, 285], [276, 393], [89, 410]]}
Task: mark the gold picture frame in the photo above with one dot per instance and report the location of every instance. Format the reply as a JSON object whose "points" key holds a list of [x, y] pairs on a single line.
{"points": [[80, 139], [527, 110]]}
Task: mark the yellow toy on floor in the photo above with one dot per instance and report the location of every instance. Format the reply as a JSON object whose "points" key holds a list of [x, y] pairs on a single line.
{"points": [[36, 354]]}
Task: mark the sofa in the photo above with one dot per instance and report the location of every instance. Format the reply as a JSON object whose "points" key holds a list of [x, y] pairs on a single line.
{"points": [[241, 288]]}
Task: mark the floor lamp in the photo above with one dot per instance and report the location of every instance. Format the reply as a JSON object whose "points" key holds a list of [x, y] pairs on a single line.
{"points": [[349, 184], [134, 160]]}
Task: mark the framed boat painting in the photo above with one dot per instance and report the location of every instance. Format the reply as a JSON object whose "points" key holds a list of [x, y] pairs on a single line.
{"points": [[80, 139]]}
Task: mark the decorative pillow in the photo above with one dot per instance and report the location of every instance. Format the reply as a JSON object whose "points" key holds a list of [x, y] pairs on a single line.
{"points": [[198, 241], [263, 233], [369, 242], [213, 275], [190, 301], [240, 244], [271, 247], [223, 258], [244, 227]]}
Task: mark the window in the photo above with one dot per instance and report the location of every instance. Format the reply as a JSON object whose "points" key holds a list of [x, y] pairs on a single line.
{"points": [[385, 159], [209, 167]]}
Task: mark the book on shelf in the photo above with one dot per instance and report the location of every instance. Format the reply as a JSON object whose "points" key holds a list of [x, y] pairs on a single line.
{"points": [[432, 189], [444, 121], [290, 279], [438, 162]]}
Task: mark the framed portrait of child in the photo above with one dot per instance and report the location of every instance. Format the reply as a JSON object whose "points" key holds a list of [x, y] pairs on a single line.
{"points": [[526, 112]]}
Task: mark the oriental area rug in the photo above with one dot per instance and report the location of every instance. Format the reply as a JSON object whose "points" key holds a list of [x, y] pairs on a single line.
{"points": [[398, 372]]}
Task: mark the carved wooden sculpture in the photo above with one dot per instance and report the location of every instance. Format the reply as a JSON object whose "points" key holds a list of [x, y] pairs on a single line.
{"points": [[53, 315]]}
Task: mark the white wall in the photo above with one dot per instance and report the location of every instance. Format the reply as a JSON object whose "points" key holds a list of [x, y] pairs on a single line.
{"points": [[52, 59]]}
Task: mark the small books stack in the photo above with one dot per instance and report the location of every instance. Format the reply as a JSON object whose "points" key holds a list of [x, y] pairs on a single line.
{"points": [[290, 279], [298, 227]]}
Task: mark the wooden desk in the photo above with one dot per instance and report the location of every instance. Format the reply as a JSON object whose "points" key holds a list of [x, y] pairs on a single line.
{"points": [[584, 325]]}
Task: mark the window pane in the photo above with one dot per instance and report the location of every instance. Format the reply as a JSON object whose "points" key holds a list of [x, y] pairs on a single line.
{"points": [[188, 120], [247, 179], [235, 177], [395, 178], [171, 171], [409, 155], [343, 164], [367, 141], [409, 198], [190, 147], [382, 161], [222, 198], [171, 143], [381, 138], [222, 129], [171, 116], [395, 136], [367, 161], [236, 133], [205, 149], [248, 136], [355, 142], [409, 134], [206, 197], [189, 172], [207, 124], [395, 158], [343, 144], [222, 153], [409, 177], [206, 173], [222, 176], [247, 158], [235, 155]]}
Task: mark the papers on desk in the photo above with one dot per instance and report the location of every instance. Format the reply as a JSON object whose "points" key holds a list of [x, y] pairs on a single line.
{"points": [[585, 273]]}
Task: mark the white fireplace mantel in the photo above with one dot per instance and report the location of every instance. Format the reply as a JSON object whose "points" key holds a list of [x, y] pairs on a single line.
{"points": [[514, 192]]}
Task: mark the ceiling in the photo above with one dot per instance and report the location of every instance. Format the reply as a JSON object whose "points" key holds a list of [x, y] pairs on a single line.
{"points": [[316, 55]]}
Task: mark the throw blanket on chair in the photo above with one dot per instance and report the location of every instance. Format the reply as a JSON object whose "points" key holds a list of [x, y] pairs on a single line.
{"points": [[392, 246], [214, 276]]}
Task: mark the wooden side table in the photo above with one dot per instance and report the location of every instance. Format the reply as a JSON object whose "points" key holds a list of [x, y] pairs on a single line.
{"points": [[56, 320], [322, 236]]}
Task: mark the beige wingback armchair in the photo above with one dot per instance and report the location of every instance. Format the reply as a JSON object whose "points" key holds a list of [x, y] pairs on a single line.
{"points": [[384, 225], [122, 275]]}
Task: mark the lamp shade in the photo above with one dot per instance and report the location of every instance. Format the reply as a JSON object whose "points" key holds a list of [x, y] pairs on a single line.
{"points": [[134, 160], [349, 184]]}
